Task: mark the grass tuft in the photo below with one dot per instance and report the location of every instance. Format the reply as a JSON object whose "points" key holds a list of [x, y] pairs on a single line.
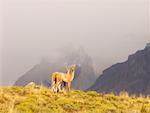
{"points": [[39, 99]]}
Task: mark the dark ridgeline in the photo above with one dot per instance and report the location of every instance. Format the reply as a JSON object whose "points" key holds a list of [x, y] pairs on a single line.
{"points": [[132, 76], [84, 75]]}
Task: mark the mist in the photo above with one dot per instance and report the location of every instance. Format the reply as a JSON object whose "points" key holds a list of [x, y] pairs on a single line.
{"points": [[1, 34], [108, 30]]}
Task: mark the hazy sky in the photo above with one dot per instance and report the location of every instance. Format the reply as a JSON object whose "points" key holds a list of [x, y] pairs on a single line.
{"points": [[1, 41], [109, 30]]}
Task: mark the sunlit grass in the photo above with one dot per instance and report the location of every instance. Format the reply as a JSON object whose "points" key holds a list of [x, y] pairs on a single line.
{"points": [[39, 99]]}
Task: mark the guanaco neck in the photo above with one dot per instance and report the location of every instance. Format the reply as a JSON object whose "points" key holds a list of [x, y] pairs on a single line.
{"points": [[64, 78], [72, 75]]}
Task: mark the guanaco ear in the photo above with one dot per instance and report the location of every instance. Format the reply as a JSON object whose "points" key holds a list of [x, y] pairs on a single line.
{"points": [[67, 68]]}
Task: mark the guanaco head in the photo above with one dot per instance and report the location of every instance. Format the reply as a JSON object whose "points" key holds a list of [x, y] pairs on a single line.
{"points": [[73, 68], [70, 69]]}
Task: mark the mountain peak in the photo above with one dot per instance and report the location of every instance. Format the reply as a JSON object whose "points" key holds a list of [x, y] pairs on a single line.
{"points": [[41, 72]]}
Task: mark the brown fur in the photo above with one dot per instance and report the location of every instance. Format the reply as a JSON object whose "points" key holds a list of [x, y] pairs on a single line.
{"points": [[66, 78]]}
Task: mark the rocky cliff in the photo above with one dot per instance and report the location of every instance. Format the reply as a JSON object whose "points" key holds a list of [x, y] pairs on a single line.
{"points": [[132, 76]]}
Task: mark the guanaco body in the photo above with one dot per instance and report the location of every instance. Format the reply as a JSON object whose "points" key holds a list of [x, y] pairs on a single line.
{"points": [[66, 78]]}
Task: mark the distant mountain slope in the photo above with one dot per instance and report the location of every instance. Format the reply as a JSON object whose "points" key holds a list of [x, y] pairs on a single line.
{"points": [[84, 76], [132, 76]]}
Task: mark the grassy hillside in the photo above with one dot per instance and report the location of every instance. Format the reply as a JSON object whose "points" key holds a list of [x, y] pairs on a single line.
{"points": [[39, 99]]}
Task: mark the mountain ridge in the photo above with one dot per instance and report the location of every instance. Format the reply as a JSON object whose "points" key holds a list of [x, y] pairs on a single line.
{"points": [[132, 76]]}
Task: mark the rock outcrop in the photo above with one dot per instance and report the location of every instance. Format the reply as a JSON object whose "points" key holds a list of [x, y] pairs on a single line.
{"points": [[132, 76]]}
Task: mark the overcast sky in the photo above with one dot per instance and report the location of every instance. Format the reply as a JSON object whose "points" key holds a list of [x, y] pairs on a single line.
{"points": [[1, 27], [109, 31]]}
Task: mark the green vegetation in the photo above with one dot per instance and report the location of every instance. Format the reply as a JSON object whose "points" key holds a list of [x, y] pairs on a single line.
{"points": [[39, 99]]}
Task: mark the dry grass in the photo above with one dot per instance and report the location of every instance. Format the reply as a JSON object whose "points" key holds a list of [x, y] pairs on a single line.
{"points": [[39, 99]]}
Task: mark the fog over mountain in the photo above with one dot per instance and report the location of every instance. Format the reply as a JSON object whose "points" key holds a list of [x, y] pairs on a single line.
{"points": [[108, 30], [41, 73]]}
